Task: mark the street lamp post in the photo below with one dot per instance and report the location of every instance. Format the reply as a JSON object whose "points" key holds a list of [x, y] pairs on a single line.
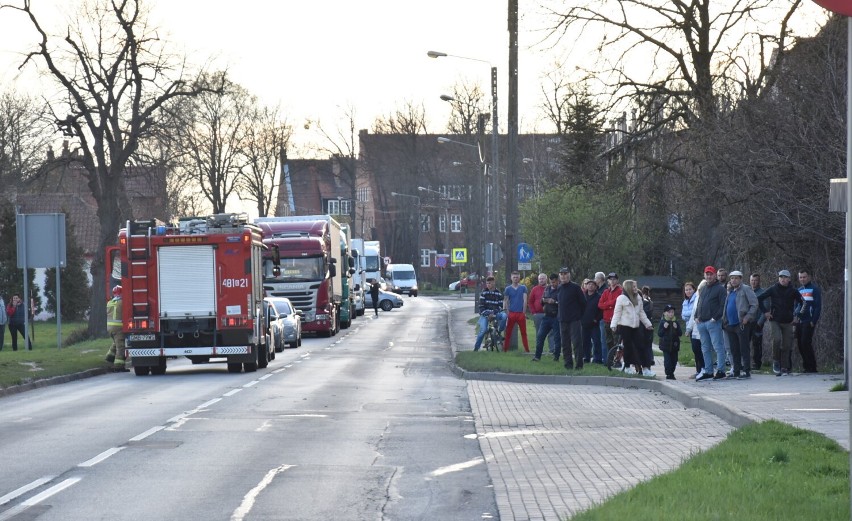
{"points": [[416, 225], [495, 164]]}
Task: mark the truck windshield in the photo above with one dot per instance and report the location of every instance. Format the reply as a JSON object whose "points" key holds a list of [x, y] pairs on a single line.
{"points": [[372, 262], [307, 268], [403, 275]]}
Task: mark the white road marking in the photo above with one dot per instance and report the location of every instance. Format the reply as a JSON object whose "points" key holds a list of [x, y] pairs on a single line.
{"points": [[457, 467], [232, 392], [207, 404], [279, 370], [248, 501], [775, 394], [251, 384], [100, 457], [816, 410], [26, 488], [264, 427], [152, 430], [38, 498], [264, 377], [303, 416]]}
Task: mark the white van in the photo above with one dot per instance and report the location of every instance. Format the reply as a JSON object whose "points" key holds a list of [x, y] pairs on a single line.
{"points": [[402, 279]]}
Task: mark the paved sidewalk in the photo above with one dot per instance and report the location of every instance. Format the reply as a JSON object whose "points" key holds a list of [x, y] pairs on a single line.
{"points": [[555, 450]]}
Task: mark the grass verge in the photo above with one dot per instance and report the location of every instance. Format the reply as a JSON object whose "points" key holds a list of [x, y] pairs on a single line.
{"points": [[46, 360], [762, 472]]}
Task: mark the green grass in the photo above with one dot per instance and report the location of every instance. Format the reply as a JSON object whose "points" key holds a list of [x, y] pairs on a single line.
{"points": [[765, 471], [46, 360]]}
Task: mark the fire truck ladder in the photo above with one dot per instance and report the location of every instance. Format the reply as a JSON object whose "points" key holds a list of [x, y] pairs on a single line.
{"points": [[138, 254]]}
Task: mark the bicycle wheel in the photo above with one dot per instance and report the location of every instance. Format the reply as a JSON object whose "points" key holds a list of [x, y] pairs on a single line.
{"points": [[487, 341], [615, 357], [496, 344]]}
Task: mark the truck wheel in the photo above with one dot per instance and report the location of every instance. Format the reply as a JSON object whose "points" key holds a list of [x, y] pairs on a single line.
{"points": [[141, 370], [235, 368], [159, 369], [386, 305], [345, 324]]}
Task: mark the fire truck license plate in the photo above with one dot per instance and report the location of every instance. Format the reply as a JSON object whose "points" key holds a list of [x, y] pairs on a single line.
{"points": [[140, 338]]}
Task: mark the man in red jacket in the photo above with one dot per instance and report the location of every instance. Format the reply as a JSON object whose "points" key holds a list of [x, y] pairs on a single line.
{"points": [[607, 305]]}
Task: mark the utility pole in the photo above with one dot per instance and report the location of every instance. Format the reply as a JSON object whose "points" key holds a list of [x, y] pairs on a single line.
{"points": [[512, 153]]}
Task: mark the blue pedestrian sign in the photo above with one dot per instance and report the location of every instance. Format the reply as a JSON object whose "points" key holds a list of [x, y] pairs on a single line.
{"points": [[525, 252]]}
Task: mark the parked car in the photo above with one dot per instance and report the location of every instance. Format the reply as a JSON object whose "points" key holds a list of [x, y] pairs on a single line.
{"points": [[387, 300], [285, 323], [466, 284]]}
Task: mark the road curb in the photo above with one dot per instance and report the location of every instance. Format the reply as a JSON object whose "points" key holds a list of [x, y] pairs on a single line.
{"points": [[55, 380], [730, 415]]}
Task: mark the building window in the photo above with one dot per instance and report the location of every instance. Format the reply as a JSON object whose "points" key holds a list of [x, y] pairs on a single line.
{"points": [[455, 223], [424, 258], [442, 223], [363, 194], [339, 206], [425, 223]]}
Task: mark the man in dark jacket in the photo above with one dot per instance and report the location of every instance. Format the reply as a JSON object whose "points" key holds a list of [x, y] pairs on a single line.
{"points": [[591, 330], [708, 320], [808, 312], [550, 323], [782, 320], [572, 304]]}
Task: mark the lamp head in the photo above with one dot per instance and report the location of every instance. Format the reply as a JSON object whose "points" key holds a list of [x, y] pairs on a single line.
{"points": [[435, 54]]}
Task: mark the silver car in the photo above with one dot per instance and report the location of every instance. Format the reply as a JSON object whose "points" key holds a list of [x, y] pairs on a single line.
{"points": [[387, 300], [285, 323]]}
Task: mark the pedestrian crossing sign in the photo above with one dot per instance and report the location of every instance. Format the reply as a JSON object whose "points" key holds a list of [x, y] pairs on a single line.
{"points": [[459, 255]]}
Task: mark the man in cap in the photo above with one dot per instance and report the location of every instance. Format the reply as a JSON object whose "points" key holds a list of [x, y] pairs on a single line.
{"points": [[738, 320], [550, 323], [607, 304], [782, 319], [708, 321]]}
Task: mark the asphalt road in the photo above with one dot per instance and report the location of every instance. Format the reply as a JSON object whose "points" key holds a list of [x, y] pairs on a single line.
{"points": [[369, 424]]}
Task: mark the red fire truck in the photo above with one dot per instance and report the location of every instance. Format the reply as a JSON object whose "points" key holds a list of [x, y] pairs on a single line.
{"points": [[194, 290]]}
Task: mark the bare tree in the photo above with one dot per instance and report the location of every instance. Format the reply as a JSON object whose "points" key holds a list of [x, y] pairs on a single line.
{"points": [[264, 137], [698, 46], [342, 145], [468, 103], [23, 138], [115, 75], [212, 136]]}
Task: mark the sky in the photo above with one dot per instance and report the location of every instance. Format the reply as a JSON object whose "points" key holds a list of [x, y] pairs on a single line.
{"points": [[314, 58]]}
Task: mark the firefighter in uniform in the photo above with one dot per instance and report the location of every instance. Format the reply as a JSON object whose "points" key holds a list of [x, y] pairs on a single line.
{"points": [[115, 355]]}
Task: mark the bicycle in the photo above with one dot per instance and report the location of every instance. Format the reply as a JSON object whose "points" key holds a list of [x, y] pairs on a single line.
{"points": [[493, 340], [615, 357]]}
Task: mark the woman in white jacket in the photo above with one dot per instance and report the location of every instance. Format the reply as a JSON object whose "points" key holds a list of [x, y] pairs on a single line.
{"points": [[627, 318]]}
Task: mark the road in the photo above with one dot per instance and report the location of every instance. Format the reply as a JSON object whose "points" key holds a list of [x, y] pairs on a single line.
{"points": [[369, 424]]}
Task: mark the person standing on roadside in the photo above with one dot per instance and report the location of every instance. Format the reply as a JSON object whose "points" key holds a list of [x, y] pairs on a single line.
{"points": [[550, 322], [572, 303], [628, 317], [607, 305], [738, 319], [808, 312], [534, 301], [17, 321], [690, 298], [116, 354], [708, 321], [757, 329], [591, 324], [4, 319], [600, 281], [515, 301], [782, 320], [669, 333]]}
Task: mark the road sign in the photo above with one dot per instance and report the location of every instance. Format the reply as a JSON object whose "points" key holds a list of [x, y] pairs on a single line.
{"points": [[838, 6], [459, 255], [525, 252], [441, 261], [524, 266]]}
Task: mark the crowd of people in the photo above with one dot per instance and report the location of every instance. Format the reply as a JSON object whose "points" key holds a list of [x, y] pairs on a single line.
{"points": [[723, 317]]}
